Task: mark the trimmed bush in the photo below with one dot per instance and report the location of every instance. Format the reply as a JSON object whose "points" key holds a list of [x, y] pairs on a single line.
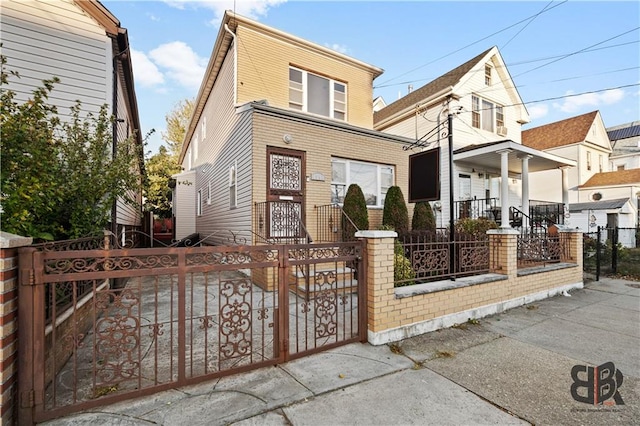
{"points": [[395, 212], [475, 227], [423, 217], [355, 207], [402, 268]]}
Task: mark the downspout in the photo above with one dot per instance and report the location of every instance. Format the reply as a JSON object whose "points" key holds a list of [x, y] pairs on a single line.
{"points": [[235, 65]]}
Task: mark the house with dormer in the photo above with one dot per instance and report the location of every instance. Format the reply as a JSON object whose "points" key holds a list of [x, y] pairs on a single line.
{"points": [[473, 115], [281, 127]]}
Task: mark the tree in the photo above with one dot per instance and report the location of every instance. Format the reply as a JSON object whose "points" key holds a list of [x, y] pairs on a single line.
{"points": [[59, 180], [161, 166], [355, 208], [423, 217], [395, 213]]}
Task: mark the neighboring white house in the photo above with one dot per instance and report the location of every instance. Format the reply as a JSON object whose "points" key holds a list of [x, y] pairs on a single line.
{"points": [[82, 44], [490, 165], [625, 143], [582, 138]]}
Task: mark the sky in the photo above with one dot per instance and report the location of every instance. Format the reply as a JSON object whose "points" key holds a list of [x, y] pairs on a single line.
{"points": [[566, 57]]}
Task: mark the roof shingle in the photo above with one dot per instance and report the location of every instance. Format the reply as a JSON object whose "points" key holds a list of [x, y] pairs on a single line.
{"points": [[561, 133], [429, 89], [619, 177]]}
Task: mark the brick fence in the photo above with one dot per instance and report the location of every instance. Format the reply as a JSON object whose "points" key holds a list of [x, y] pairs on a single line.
{"points": [[398, 313], [9, 245]]}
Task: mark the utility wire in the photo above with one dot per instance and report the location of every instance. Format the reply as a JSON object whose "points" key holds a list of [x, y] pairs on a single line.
{"points": [[475, 42], [527, 24]]}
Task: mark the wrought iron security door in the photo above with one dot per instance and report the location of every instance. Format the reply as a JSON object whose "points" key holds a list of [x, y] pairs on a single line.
{"points": [[285, 193]]}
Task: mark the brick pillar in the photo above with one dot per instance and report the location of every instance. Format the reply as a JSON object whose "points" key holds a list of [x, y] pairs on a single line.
{"points": [[574, 238], [9, 245], [503, 251], [379, 257]]}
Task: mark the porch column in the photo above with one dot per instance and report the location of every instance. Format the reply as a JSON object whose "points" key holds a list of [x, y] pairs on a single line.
{"points": [[504, 188], [565, 193], [525, 189]]}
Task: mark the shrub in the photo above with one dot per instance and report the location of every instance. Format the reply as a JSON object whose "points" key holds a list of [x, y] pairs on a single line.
{"points": [[355, 207], [423, 218], [475, 227], [403, 273], [395, 211]]}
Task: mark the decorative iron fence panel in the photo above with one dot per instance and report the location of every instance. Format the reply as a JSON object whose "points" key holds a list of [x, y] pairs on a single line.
{"points": [[183, 315]]}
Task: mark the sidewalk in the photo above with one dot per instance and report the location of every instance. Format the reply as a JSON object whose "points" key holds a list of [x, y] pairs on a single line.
{"points": [[512, 368]]}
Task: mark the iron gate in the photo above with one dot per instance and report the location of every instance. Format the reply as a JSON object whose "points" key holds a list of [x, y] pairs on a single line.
{"points": [[101, 326]]}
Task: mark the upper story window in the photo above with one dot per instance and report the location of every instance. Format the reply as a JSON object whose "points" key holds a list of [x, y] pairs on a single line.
{"points": [[203, 128], [487, 75], [601, 163], [374, 180], [318, 95], [195, 147], [486, 115], [588, 160], [233, 185]]}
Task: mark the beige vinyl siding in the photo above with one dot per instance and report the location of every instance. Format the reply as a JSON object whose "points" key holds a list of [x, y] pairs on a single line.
{"points": [[45, 39], [263, 73], [321, 143], [227, 140]]}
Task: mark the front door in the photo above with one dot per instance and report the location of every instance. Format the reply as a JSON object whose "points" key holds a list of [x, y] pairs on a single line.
{"points": [[285, 193]]}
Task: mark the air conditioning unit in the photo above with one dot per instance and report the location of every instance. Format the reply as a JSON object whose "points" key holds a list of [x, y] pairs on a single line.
{"points": [[502, 131]]}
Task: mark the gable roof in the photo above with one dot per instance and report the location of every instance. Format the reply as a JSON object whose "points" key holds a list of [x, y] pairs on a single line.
{"points": [[619, 177], [441, 83], [560, 133], [101, 14]]}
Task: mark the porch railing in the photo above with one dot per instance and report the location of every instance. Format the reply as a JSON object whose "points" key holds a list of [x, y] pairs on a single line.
{"points": [[473, 209], [333, 224], [542, 249]]}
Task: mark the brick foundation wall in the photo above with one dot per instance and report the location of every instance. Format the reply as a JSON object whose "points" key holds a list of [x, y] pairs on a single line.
{"points": [[9, 323], [394, 314]]}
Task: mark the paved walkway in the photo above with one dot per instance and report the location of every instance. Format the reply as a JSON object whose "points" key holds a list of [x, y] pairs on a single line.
{"points": [[512, 368]]}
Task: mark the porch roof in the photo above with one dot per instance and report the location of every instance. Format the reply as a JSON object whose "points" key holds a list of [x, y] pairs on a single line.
{"points": [[486, 156]]}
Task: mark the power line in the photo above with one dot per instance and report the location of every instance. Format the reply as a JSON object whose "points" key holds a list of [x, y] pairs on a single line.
{"points": [[576, 52], [523, 28], [476, 42]]}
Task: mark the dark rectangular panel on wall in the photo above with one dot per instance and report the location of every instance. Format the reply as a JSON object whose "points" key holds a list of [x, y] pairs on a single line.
{"points": [[424, 176]]}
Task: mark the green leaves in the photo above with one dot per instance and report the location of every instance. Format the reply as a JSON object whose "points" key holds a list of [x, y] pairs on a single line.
{"points": [[59, 180]]}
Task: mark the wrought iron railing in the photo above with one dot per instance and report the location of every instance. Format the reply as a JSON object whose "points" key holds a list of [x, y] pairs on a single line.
{"points": [[476, 208], [279, 222], [333, 224], [434, 257], [541, 249]]}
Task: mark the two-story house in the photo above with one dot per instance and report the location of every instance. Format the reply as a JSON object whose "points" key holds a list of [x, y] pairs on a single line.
{"points": [[597, 196], [281, 126], [83, 44], [474, 114], [625, 146]]}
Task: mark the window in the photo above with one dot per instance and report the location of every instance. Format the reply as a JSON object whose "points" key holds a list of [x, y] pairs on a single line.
{"points": [[374, 180], [486, 115], [209, 193], [203, 128], [487, 75], [199, 204], [600, 162], [620, 167], [233, 185], [588, 160], [195, 147], [318, 95]]}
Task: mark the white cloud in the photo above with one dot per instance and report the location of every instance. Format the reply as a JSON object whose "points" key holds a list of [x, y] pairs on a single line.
{"points": [[341, 48], [538, 111], [575, 103], [146, 72], [180, 63], [250, 8], [153, 17]]}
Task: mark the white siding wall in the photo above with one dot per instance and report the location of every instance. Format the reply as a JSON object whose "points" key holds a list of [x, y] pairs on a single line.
{"points": [[42, 39], [184, 204], [547, 185]]}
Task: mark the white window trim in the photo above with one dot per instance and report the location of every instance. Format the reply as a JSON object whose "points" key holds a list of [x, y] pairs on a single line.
{"points": [[481, 111], [347, 163], [203, 128], [199, 203], [305, 94]]}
